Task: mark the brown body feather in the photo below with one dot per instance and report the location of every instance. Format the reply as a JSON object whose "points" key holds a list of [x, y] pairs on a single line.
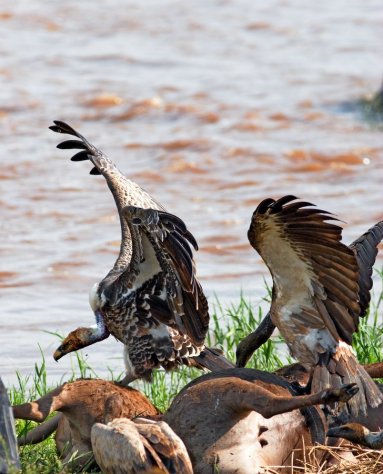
{"points": [[315, 292]]}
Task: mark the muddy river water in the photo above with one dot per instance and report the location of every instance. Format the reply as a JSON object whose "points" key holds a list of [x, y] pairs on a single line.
{"points": [[209, 105]]}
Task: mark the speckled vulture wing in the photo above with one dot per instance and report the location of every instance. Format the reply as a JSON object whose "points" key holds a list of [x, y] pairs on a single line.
{"points": [[125, 191], [297, 241], [365, 249], [187, 304]]}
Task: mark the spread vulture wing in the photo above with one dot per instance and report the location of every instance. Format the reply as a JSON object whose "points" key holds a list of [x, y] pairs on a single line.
{"points": [[365, 249], [124, 191], [298, 243], [171, 240]]}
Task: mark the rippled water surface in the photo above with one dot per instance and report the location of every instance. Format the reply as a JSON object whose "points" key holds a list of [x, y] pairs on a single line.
{"points": [[210, 106]]}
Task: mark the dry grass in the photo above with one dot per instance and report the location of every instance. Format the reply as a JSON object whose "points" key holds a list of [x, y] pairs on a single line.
{"points": [[347, 458]]}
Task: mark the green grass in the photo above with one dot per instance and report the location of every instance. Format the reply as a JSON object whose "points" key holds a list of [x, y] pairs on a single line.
{"points": [[228, 325], [368, 341]]}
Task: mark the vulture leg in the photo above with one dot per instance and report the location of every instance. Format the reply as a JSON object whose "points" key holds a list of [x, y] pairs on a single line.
{"points": [[128, 379], [254, 340]]}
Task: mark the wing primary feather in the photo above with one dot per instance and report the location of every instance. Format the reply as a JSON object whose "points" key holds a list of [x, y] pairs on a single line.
{"points": [[94, 171], [81, 156], [62, 127], [277, 205], [263, 206], [365, 249], [179, 225], [72, 144]]}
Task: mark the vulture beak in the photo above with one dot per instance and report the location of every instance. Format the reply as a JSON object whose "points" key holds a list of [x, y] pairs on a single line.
{"points": [[58, 353], [71, 343]]}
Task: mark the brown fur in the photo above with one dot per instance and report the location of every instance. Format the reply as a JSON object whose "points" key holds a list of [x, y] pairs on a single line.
{"points": [[233, 422], [81, 404]]}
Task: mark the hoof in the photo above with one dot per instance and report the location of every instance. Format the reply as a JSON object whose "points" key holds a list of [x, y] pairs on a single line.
{"points": [[342, 394]]}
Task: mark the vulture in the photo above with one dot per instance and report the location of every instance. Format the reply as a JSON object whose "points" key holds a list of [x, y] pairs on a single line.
{"points": [[150, 300], [315, 297]]}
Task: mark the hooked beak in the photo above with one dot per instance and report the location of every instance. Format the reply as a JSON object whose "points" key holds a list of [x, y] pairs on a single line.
{"points": [[58, 353], [69, 344]]}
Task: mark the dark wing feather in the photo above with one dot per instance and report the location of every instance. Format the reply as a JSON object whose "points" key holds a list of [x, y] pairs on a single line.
{"points": [[119, 185], [80, 156], [196, 319], [365, 249], [169, 220], [172, 240], [124, 191], [71, 144], [62, 127], [102, 164], [316, 242]]}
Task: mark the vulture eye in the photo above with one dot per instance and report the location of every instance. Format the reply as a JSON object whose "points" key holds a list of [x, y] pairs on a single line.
{"points": [[136, 221]]}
